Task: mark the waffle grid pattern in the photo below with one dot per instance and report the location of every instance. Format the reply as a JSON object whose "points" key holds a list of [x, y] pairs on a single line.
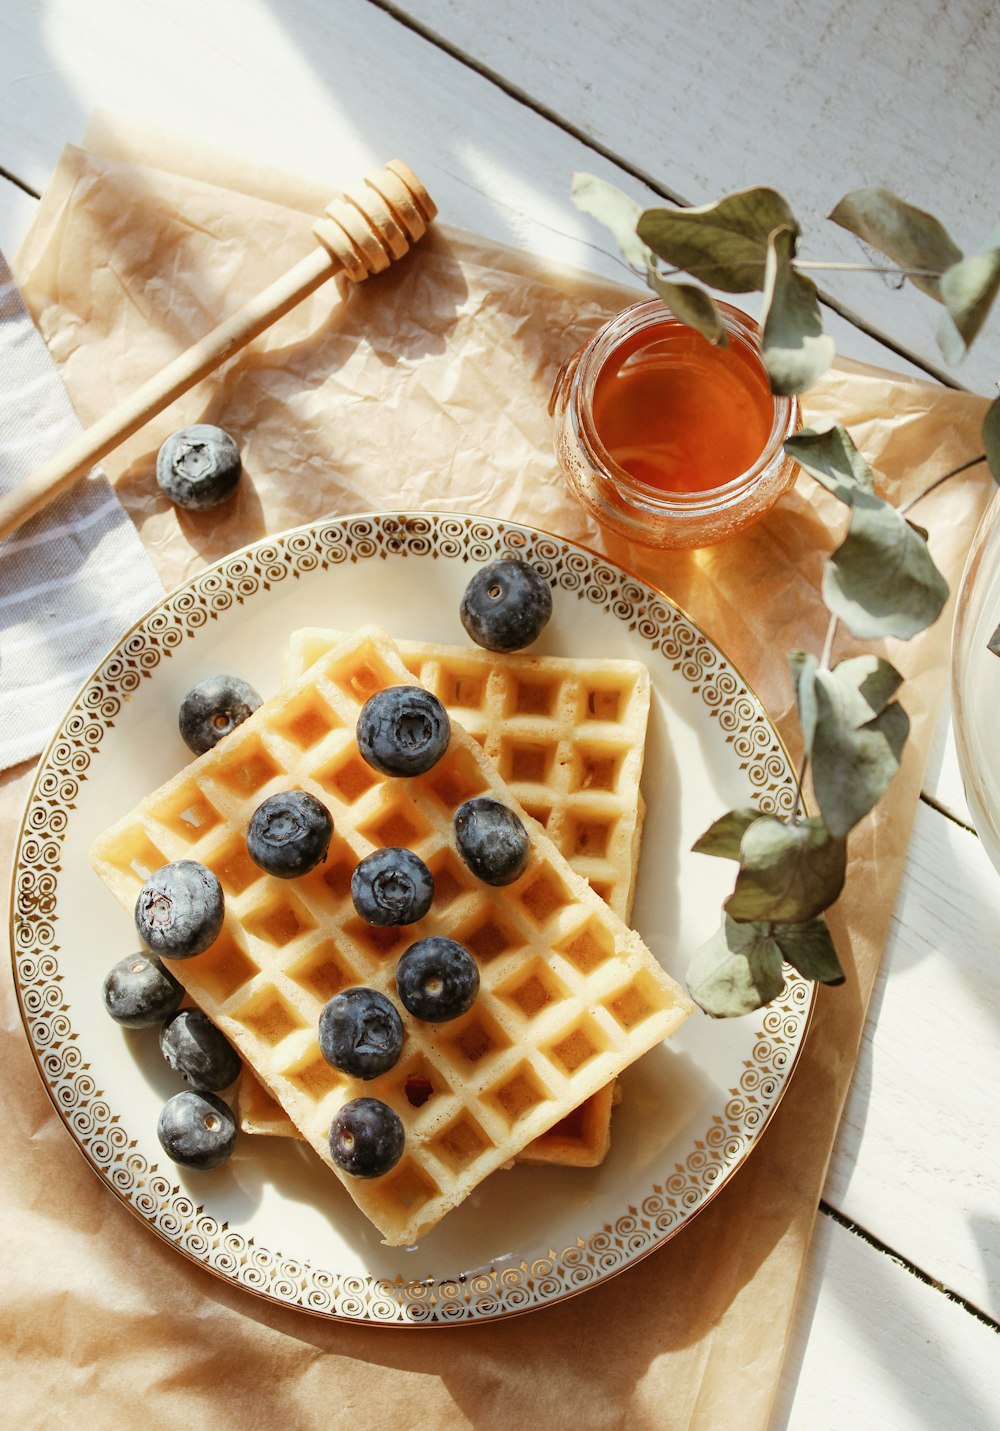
{"points": [[569, 995], [567, 737]]}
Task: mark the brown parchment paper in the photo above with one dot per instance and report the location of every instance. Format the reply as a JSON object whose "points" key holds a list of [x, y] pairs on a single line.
{"points": [[427, 388]]}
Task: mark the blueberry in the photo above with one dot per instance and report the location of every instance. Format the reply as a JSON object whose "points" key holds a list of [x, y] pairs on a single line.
{"points": [[195, 1049], [437, 979], [213, 708], [491, 840], [392, 886], [198, 467], [361, 1033], [506, 605], [179, 910], [197, 1130], [138, 991], [366, 1138], [403, 730], [289, 834]]}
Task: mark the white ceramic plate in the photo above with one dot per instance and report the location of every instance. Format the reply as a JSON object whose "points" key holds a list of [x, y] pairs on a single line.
{"points": [[273, 1219]]}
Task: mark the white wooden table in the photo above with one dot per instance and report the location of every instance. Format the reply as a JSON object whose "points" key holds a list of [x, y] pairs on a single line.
{"points": [[496, 105]]}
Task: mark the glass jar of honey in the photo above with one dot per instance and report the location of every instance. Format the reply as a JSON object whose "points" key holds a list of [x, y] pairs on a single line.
{"points": [[669, 440]]}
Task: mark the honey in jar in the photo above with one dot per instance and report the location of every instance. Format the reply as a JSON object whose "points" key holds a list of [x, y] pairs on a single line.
{"points": [[668, 439]]}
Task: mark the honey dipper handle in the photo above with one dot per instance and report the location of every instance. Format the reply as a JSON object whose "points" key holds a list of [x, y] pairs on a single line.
{"points": [[362, 233]]}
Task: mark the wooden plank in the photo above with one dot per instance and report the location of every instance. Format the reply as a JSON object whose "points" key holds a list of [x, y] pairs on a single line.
{"points": [[357, 78], [876, 1347], [917, 1155], [812, 100]]}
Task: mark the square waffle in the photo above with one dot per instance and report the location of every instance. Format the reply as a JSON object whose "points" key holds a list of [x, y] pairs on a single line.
{"points": [[566, 735], [569, 995], [530, 712]]}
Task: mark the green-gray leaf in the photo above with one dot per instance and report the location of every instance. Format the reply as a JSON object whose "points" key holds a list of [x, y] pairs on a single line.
{"points": [[968, 289], [993, 644], [723, 837], [617, 211], [881, 581], [735, 972], [852, 762], [693, 306], [829, 455], [723, 244], [809, 948], [803, 666], [991, 438], [868, 684], [788, 872], [796, 351], [910, 237]]}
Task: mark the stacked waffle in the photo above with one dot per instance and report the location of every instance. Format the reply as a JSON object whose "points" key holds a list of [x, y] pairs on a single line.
{"points": [[569, 996]]}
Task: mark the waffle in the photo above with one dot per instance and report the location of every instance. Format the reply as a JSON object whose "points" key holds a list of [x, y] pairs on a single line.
{"points": [[513, 705], [580, 1140], [567, 736], [569, 995]]}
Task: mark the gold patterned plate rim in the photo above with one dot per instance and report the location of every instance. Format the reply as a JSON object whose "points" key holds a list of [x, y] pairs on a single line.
{"points": [[572, 1228]]}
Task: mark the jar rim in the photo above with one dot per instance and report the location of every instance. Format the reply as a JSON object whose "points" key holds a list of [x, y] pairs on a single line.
{"points": [[648, 313]]}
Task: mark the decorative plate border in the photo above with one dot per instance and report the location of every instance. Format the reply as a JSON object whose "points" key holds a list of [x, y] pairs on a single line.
{"points": [[491, 1292]]}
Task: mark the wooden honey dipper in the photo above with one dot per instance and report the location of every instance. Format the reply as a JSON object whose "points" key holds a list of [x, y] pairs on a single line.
{"points": [[362, 233]]}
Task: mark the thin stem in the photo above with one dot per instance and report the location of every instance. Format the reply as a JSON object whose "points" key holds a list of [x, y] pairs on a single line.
{"points": [[818, 265], [824, 661], [904, 507], [835, 266]]}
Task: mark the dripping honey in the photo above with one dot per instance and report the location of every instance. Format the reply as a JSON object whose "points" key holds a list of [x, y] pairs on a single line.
{"points": [[679, 414]]}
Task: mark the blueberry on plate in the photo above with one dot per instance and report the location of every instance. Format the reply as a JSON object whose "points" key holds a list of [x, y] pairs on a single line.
{"points": [[392, 886], [197, 1130], [198, 467], [361, 1033], [506, 605], [289, 834], [403, 730], [491, 840], [437, 979], [366, 1138], [179, 910], [196, 1049], [138, 991], [213, 708]]}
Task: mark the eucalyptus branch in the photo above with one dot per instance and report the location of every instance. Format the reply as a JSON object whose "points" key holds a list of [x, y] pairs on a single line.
{"points": [[880, 583]]}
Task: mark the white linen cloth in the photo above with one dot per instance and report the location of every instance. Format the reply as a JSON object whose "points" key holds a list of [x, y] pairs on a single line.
{"points": [[74, 577]]}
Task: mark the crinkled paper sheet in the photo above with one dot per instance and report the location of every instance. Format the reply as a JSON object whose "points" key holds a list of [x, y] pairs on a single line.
{"points": [[427, 389]]}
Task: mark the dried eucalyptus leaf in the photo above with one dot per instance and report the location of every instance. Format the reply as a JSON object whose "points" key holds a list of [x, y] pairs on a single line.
{"points": [[829, 455], [910, 237], [993, 644], [881, 580], [796, 351], [968, 289], [693, 306], [803, 666], [723, 244], [617, 211], [868, 684], [991, 438], [723, 837], [735, 972], [789, 872], [809, 948], [852, 762]]}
